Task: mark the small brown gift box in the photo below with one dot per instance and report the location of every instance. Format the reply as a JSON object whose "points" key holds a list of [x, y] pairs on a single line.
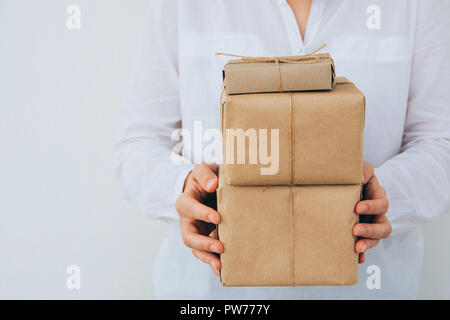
{"points": [[319, 136], [287, 235], [315, 72]]}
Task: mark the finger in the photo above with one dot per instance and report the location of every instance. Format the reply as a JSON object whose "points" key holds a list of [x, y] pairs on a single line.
{"points": [[361, 258], [194, 240], [187, 206], [374, 190], [375, 206], [208, 258], [206, 175], [364, 244], [368, 172], [373, 230]]}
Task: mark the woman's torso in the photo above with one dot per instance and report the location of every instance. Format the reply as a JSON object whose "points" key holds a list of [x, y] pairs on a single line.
{"points": [[372, 50]]}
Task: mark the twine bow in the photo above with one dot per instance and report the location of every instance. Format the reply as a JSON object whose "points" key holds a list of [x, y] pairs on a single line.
{"points": [[308, 58]]}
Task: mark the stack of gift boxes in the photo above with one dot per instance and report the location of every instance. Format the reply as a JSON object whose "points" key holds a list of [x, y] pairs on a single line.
{"points": [[292, 172]]}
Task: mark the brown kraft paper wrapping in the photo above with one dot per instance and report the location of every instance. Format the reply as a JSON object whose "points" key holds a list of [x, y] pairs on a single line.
{"points": [[320, 135], [287, 235], [253, 77]]}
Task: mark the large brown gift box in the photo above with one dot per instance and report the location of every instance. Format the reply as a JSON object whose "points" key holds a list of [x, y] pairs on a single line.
{"points": [[320, 136], [287, 235], [309, 73]]}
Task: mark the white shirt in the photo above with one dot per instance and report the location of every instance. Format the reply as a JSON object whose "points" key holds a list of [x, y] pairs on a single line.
{"points": [[396, 52]]}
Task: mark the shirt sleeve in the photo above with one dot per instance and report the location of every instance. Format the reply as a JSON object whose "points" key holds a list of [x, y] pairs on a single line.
{"points": [[417, 180], [146, 164]]}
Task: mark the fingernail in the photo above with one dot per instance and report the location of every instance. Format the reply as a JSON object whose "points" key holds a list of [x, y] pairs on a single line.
{"points": [[214, 248], [212, 218], [210, 183], [363, 208], [361, 231], [363, 248]]}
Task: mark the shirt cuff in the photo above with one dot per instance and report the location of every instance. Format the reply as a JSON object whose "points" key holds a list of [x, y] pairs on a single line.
{"points": [[179, 181]]}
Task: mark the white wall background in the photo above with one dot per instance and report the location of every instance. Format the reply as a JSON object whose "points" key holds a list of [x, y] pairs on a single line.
{"points": [[60, 203]]}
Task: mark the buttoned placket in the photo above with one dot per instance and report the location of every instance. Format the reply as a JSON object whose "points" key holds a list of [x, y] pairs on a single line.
{"points": [[299, 46]]}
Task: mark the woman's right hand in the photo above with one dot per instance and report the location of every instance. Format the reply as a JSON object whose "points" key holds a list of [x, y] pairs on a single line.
{"points": [[197, 219]]}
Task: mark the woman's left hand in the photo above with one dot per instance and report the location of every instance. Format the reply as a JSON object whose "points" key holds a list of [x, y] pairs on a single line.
{"points": [[374, 224]]}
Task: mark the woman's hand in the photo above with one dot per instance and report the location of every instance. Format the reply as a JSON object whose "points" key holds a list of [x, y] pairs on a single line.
{"points": [[197, 216], [374, 225]]}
